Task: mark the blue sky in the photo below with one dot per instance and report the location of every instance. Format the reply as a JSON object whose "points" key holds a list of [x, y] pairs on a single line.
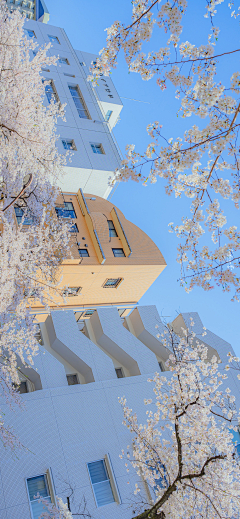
{"points": [[148, 207]]}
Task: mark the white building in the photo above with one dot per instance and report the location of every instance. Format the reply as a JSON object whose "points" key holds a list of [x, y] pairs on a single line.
{"points": [[91, 113], [71, 424]]}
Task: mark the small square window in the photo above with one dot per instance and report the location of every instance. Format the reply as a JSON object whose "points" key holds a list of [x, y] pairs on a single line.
{"points": [[112, 230], [118, 253], [97, 148], [30, 34], [112, 283], [53, 39], [63, 61], [72, 291], [119, 372], [68, 144], [83, 253], [72, 380]]}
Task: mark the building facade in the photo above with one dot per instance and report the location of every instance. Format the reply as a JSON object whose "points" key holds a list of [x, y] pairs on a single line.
{"points": [[71, 424], [32, 9], [90, 113]]}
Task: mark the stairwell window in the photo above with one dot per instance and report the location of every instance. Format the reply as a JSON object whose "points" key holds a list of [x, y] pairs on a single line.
{"points": [[38, 485], [79, 102], [108, 115], [51, 92], [53, 39], [101, 483], [112, 230], [112, 282], [118, 253], [97, 148]]}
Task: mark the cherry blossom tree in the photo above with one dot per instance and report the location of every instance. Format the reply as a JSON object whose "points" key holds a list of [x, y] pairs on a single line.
{"points": [[203, 163], [31, 252], [185, 451]]}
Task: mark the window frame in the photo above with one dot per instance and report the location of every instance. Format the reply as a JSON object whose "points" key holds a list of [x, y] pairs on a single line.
{"points": [[84, 255], [64, 62], [118, 282], [67, 210], [75, 87], [73, 375], [74, 294], [54, 39], [111, 479], [54, 94], [120, 369], [112, 229], [116, 255], [50, 486], [27, 31], [97, 146], [67, 141]]}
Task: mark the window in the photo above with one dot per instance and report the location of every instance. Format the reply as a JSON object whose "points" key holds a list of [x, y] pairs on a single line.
{"points": [[54, 39], [88, 312], [38, 485], [108, 115], [101, 483], [78, 101], [50, 92], [39, 335], [97, 148], [112, 230], [69, 75], [72, 291], [26, 216], [30, 34], [112, 283], [67, 211], [119, 372], [68, 144], [161, 365], [118, 253], [83, 253], [64, 61], [74, 228], [72, 380]]}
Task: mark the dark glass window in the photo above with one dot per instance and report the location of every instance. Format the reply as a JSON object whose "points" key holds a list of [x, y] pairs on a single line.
{"points": [[74, 228], [97, 148], [112, 283], [72, 380], [161, 365], [54, 39], [119, 372], [112, 230], [78, 101], [89, 312], [67, 211], [64, 61], [30, 34], [118, 253], [83, 253]]}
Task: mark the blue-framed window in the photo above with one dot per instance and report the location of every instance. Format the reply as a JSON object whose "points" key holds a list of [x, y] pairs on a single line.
{"points": [[78, 101], [67, 211], [118, 253], [101, 483]]}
